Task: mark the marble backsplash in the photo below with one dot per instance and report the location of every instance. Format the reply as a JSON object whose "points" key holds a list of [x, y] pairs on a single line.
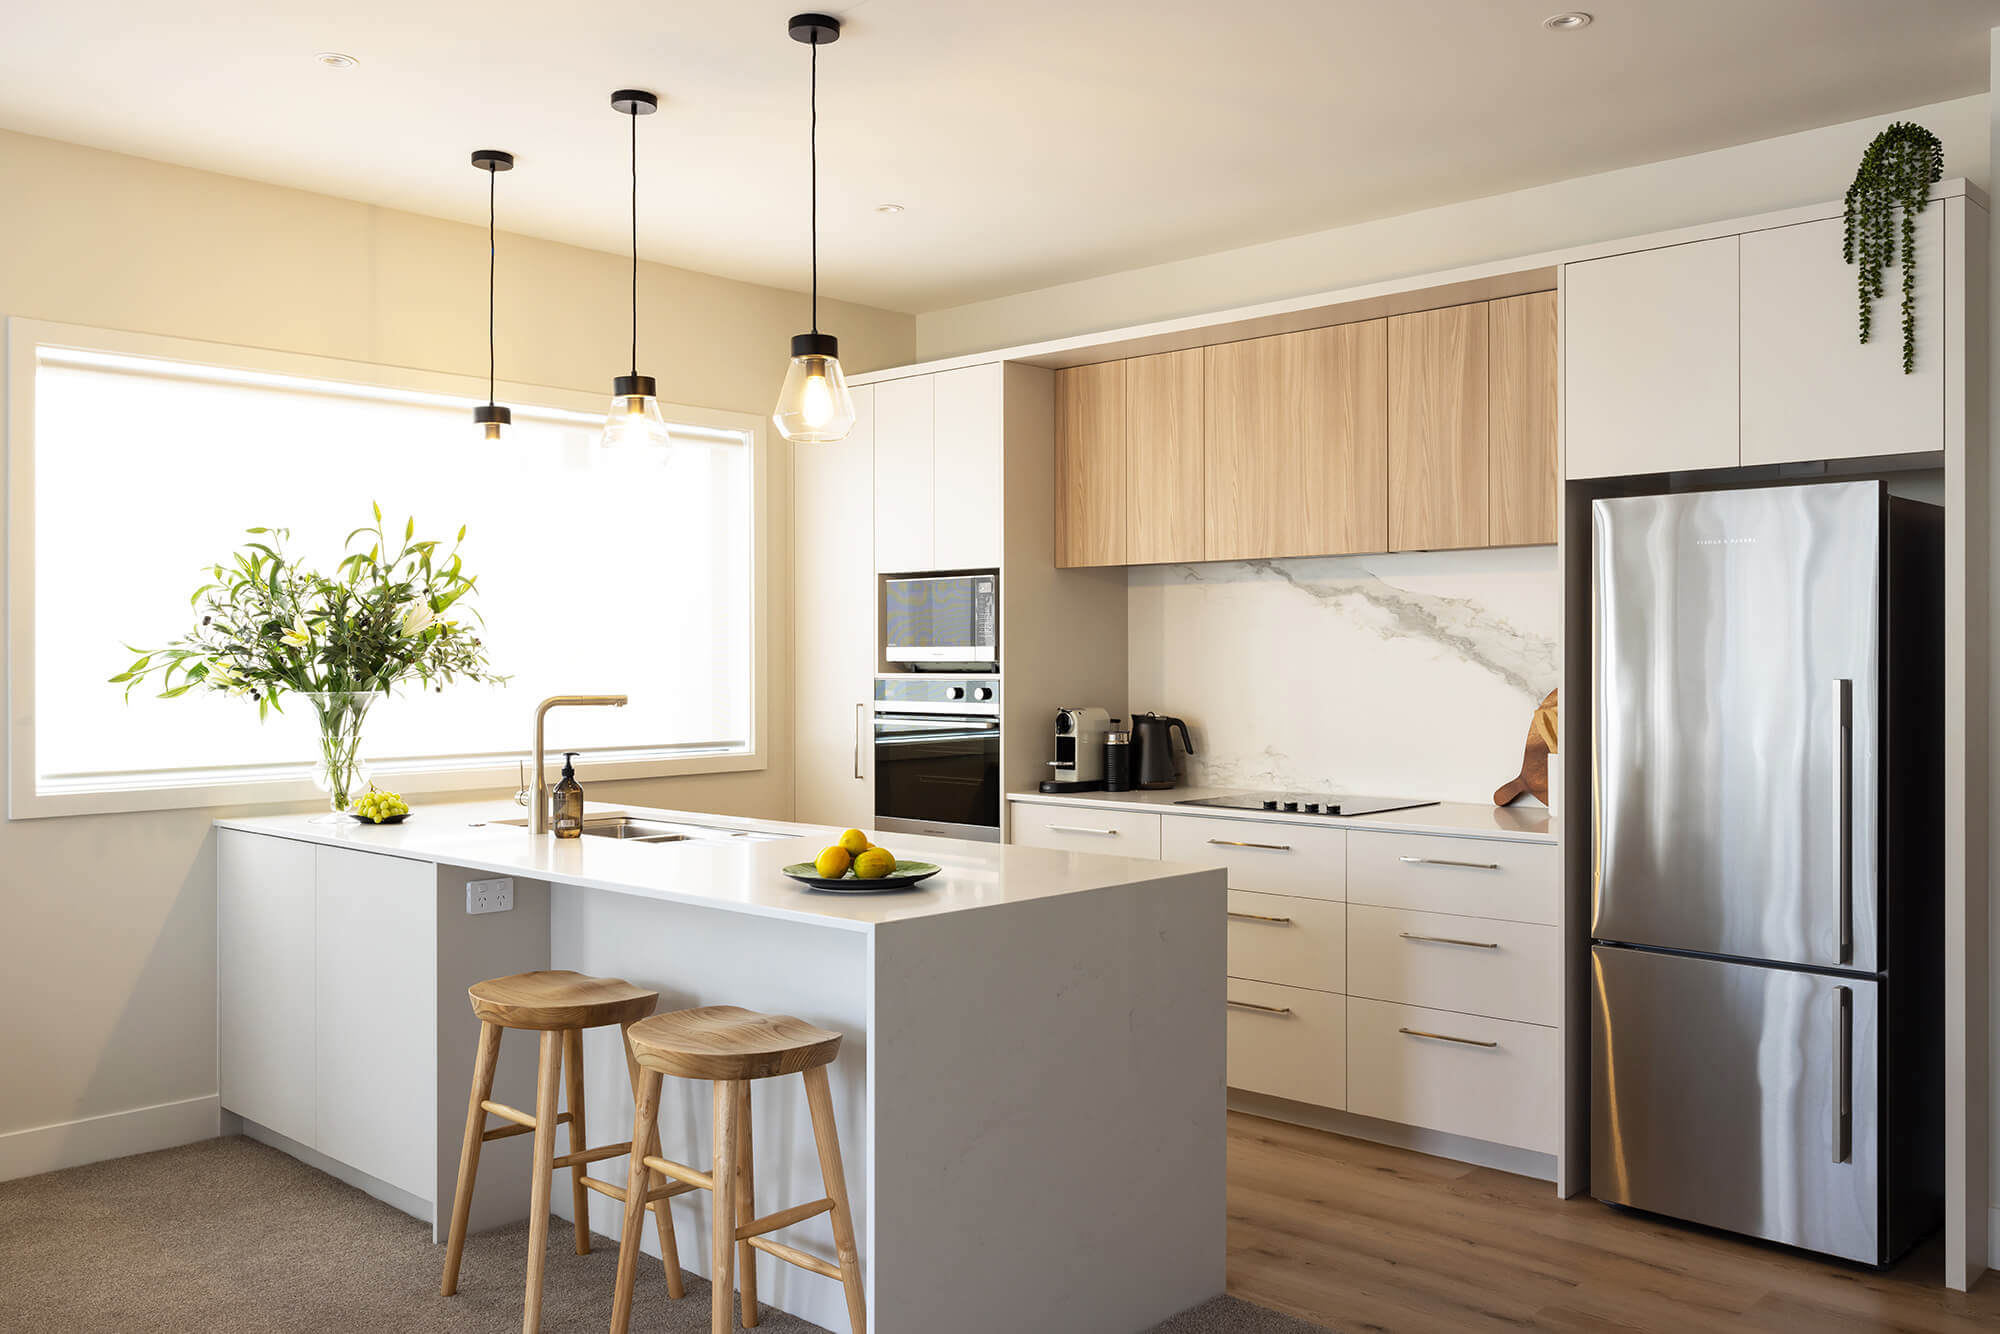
{"points": [[1406, 674]]}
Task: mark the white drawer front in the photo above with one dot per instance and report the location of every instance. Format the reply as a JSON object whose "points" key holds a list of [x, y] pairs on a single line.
{"points": [[1275, 858], [1477, 965], [1294, 1046], [1429, 1068], [1070, 829], [1474, 877], [1299, 942]]}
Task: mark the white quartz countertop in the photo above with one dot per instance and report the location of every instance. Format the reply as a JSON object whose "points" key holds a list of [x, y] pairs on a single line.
{"points": [[1523, 823], [738, 876]]}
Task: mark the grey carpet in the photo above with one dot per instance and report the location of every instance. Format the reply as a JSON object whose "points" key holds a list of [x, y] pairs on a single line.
{"points": [[229, 1235]]}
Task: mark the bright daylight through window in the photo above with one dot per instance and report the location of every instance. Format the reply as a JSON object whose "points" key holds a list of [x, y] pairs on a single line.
{"points": [[625, 571]]}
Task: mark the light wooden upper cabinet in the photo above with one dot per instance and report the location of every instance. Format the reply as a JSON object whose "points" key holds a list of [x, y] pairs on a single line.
{"points": [[1650, 360], [1811, 388], [1438, 429], [1521, 421], [1163, 458], [966, 465], [1295, 443], [1090, 465], [904, 454]]}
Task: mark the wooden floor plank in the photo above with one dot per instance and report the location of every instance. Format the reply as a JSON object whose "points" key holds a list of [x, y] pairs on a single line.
{"points": [[1371, 1239]]}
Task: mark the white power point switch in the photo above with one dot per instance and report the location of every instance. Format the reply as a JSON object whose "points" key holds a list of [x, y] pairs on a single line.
{"points": [[489, 895]]}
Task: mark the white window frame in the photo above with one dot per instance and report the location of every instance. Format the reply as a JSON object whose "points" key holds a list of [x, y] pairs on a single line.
{"points": [[292, 784]]}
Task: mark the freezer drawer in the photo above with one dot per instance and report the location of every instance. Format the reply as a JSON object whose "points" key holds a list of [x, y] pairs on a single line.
{"points": [[1738, 1095]]}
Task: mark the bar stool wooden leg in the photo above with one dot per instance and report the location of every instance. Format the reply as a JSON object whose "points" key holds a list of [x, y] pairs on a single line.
{"points": [[548, 1078], [722, 1236], [468, 1154], [819, 1097], [638, 1180], [746, 1209], [580, 1198], [646, 1140]]}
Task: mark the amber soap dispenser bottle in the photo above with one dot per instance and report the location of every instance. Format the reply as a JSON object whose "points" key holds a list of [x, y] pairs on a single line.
{"points": [[566, 802]]}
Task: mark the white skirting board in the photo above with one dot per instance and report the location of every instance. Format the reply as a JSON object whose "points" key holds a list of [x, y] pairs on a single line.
{"points": [[26, 1153]]}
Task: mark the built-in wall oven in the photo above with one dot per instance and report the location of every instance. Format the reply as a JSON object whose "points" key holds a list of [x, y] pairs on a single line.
{"points": [[937, 756], [942, 622]]}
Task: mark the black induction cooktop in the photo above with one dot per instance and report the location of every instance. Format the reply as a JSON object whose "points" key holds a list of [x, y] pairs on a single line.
{"points": [[1338, 804]]}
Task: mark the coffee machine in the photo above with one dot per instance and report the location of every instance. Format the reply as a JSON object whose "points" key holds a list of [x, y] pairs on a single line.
{"points": [[1079, 762]]}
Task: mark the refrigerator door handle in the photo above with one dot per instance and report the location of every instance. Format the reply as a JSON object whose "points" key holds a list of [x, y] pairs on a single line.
{"points": [[1843, 812], [1843, 1074]]}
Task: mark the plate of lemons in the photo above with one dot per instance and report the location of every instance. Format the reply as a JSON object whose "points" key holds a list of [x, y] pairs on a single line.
{"points": [[853, 865]]}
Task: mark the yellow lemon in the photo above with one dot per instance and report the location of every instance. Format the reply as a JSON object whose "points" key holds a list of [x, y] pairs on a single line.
{"points": [[832, 862], [855, 842], [874, 863]]}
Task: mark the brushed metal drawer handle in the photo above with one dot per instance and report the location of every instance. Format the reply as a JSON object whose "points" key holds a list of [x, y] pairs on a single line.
{"points": [[1441, 1037], [1260, 1009], [1445, 861], [1237, 843], [1082, 829], [1259, 917], [1451, 940]]}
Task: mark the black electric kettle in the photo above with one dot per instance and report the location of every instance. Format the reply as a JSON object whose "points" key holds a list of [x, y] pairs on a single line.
{"points": [[1154, 764]]}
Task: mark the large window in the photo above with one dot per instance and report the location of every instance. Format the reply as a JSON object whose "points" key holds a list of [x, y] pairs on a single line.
{"points": [[145, 460]]}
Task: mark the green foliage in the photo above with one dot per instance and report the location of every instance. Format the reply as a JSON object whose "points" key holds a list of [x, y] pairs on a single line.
{"points": [[268, 625], [1897, 171]]}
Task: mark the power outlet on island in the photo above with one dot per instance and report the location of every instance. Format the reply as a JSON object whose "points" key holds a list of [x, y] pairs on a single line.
{"points": [[489, 895]]}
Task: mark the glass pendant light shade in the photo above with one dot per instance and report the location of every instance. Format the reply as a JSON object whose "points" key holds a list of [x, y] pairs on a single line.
{"points": [[634, 415], [814, 407]]}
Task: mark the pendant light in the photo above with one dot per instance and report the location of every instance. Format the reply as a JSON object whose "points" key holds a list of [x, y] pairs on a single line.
{"points": [[814, 407], [490, 416], [634, 417]]}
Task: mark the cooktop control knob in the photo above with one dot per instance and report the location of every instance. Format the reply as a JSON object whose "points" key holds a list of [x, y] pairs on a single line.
{"points": [[1312, 808], [1270, 805], [1291, 805]]}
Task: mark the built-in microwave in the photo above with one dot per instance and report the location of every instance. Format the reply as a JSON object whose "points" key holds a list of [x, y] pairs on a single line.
{"points": [[942, 622]]}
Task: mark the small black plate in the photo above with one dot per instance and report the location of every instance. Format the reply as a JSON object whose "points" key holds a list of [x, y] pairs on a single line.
{"points": [[370, 820], [905, 875]]}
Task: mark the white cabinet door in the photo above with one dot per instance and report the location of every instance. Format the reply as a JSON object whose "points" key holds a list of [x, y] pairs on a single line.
{"points": [[375, 981], [1811, 388], [966, 478], [1082, 829], [904, 449], [1650, 361], [264, 980], [833, 554]]}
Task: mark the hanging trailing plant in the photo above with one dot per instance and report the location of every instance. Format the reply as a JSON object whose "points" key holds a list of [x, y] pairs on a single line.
{"points": [[1897, 171]]}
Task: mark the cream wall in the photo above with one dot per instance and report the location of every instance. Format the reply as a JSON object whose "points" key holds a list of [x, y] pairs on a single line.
{"points": [[1806, 168], [107, 951]]}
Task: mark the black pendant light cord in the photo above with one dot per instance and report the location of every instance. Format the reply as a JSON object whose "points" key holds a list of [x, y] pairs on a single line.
{"points": [[813, 139], [492, 262], [635, 243]]}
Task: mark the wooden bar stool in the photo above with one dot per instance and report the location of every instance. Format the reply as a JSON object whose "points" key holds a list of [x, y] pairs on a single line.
{"points": [[558, 1004], [733, 1047]]}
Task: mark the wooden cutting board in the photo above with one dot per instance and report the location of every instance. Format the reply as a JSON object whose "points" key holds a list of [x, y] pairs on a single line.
{"points": [[1533, 779]]}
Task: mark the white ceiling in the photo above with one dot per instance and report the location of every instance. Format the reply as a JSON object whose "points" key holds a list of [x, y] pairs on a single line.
{"points": [[1034, 142]]}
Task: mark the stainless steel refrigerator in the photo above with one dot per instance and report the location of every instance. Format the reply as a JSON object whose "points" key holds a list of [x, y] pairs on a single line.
{"points": [[1766, 1007]]}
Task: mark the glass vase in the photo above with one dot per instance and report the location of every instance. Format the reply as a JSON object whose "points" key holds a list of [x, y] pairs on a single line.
{"points": [[340, 773]]}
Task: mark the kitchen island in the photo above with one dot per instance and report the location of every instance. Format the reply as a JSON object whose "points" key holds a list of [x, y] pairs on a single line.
{"points": [[1030, 1095]]}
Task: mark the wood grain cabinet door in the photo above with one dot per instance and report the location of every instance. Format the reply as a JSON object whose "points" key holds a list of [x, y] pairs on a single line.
{"points": [[1521, 457], [1163, 458], [1090, 465], [1438, 429], [1295, 449]]}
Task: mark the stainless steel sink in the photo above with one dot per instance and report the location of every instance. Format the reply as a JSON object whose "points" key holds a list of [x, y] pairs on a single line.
{"points": [[633, 829]]}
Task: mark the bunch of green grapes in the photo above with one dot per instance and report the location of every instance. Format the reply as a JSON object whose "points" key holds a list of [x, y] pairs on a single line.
{"points": [[380, 806]]}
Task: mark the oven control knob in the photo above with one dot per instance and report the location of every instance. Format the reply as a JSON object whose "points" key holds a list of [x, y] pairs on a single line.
{"points": [[982, 692], [1270, 805], [955, 692]]}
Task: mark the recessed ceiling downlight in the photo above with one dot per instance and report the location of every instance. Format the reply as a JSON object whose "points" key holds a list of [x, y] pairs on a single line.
{"points": [[1569, 22], [336, 59]]}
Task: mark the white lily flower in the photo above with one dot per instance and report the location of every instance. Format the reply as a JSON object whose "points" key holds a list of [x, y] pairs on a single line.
{"points": [[299, 635], [417, 618], [221, 677]]}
